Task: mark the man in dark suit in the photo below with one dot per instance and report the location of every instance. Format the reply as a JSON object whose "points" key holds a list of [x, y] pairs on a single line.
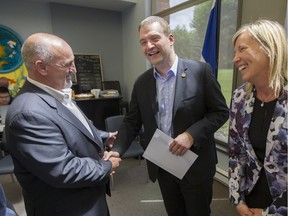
{"points": [[183, 99], [58, 154]]}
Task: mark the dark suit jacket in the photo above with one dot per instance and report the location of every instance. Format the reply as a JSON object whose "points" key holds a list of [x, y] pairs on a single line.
{"points": [[199, 108], [57, 161]]}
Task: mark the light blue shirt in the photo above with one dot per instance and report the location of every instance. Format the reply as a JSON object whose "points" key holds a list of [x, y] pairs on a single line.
{"points": [[165, 88]]}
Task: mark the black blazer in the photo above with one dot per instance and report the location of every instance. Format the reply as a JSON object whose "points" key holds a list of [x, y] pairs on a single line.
{"points": [[199, 108]]}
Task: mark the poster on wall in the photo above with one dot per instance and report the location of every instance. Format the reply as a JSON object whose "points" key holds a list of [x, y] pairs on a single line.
{"points": [[11, 63]]}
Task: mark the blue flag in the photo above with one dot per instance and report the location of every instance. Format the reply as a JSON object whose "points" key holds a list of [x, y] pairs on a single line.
{"points": [[209, 51]]}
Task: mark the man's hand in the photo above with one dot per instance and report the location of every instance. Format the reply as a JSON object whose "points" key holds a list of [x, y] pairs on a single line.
{"points": [[181, 144], [112, 136], [108, 155], [114, 158], [115, 163]]}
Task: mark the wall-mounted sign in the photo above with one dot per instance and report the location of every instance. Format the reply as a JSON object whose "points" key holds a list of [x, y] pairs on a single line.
{"points": [[89, 72]]}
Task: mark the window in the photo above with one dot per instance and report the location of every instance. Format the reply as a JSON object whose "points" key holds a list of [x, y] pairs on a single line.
{"points": [[160, 5], [228, 25], [188, 21]]}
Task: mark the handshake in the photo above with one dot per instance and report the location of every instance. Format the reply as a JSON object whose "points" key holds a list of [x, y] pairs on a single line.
{"points": [[112, 156]]}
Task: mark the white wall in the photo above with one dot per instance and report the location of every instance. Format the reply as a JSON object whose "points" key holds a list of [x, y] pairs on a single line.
{"points": [[26, 18], [134, 62], [92, 31], [87, 30], [266, 9]]}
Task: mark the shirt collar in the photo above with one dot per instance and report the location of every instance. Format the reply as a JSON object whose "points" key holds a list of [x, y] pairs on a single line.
{"points": [[171, 72], [64, 96]]}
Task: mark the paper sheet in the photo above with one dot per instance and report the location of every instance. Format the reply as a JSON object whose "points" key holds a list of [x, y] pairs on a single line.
{"points": [[158, 153]]}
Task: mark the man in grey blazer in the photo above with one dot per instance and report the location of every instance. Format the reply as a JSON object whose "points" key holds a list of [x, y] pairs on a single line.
{"points": [[183, 99], [58, 154]]}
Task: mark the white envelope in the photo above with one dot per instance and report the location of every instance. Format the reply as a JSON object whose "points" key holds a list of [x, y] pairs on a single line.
{"points": [[158, 153]]}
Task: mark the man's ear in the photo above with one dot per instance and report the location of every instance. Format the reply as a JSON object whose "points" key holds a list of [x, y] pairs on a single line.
{"points": [[171, 39], [41, 67]]}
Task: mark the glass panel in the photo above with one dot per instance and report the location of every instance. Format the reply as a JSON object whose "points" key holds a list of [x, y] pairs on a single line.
{"points": [[176, 2], [228, 24], [160, 5], [189, 27]]}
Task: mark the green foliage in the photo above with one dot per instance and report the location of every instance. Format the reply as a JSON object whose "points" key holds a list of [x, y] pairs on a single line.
{"points": [[183, 43], [189, 42], [225, 79], [200, 20], [227, 29]]}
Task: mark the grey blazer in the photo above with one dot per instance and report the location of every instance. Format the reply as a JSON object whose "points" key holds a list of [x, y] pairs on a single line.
{"points": [[199, 108], [57, 161]]}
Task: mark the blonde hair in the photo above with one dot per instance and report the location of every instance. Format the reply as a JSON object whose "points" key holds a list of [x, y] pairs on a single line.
{"points": [[272, 38], [152, 19]]}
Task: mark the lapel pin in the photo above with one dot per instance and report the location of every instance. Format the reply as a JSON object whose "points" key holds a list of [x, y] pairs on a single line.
{"points": [[184, 74]]}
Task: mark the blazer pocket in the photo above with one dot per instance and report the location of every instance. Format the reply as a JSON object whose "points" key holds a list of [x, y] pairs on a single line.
{"points": [[189, 99]]}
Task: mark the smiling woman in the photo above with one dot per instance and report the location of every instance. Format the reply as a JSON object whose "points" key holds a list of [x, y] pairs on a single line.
{"points": [[258, 121]]}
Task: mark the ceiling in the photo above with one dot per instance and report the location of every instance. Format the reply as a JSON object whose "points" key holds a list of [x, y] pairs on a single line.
{"points": [[114, 5]]}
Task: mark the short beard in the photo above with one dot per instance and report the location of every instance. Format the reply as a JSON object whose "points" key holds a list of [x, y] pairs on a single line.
{"points": [[68, 83]]}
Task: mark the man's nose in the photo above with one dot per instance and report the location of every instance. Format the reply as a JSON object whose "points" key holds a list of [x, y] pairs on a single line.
{"points": [[73, 68], [150, 44]]}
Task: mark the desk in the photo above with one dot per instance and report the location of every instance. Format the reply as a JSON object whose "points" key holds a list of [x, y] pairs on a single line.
{"points": [[98, 109]]}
